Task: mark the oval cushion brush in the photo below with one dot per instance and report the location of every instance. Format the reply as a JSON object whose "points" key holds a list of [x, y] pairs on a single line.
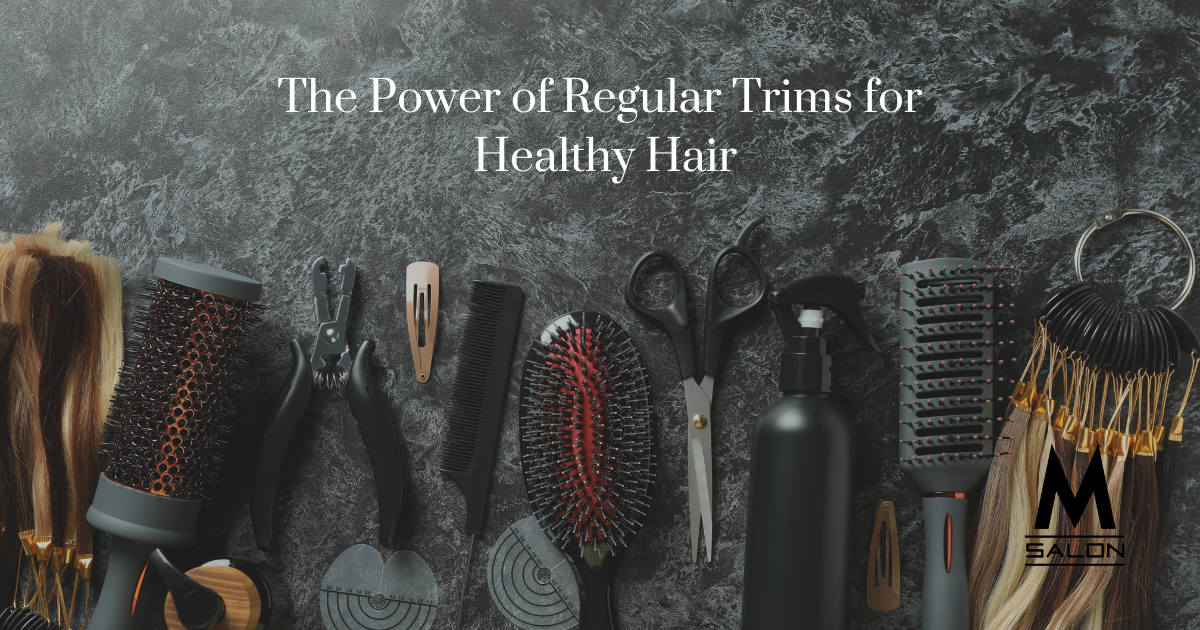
{"points": [[477, 400], [586, 449], [165, 436], [946, 417]]}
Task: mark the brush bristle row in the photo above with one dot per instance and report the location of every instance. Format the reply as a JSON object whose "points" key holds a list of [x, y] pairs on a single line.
{"points": [[947, 357], [170, 417], [585, 433]]}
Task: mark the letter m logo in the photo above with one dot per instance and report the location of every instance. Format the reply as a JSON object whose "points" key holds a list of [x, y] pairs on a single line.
{"points": [[1093, 483]]}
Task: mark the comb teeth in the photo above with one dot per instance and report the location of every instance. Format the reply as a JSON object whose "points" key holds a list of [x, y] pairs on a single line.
{"points": [[171, 414], [585, 433], [493, 317], [947, 359]]}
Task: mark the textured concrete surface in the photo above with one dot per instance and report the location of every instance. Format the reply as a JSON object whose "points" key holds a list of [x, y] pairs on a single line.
{"points": [[155, 128]]}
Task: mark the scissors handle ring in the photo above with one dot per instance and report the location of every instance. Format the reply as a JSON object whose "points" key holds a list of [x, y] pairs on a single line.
{"points": [[674, 316], [719, 313]]}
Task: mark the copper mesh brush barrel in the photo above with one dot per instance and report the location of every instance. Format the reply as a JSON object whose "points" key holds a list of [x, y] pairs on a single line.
{"points": [[164, 438], [947, 345]]}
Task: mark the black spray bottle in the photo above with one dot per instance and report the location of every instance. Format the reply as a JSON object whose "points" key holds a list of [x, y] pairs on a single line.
{"points": [[801, 470]]}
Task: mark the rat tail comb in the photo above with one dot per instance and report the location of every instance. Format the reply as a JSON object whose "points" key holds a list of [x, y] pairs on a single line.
{"points": [[586, 449], [477, 401], [948, 346]]}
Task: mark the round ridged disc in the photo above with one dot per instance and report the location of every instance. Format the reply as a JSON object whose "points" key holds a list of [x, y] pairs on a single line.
{"points": [[531, 581], [361, 592]]}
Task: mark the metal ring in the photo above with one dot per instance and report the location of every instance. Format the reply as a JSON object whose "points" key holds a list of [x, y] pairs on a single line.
{"points": [[1108, 218]]}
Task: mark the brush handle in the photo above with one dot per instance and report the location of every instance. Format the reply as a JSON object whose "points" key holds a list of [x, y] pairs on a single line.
{"points": [[126, 559], [268, 470], [596, 610], [383, 443], [944, 593]]}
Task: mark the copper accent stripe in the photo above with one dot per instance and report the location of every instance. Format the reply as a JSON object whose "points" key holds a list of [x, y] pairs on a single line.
{"points": [[138, 591], [948, 537]]}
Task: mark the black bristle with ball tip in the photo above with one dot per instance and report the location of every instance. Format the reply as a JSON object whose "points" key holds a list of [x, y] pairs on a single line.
{"points": [[170, 417], [586, 444]]}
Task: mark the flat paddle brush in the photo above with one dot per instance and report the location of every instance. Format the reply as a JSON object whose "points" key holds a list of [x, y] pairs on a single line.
{"points": [[586, 449], [165, 435], [477, 400]]}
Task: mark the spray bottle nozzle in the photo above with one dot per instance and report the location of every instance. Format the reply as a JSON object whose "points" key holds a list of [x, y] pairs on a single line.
{"points": [[805, 364]]}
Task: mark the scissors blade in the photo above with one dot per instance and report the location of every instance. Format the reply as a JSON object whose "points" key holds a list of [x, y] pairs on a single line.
{"points": [[699, 424], [702, 474]]}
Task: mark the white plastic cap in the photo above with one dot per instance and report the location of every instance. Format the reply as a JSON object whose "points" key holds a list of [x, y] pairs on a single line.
{"points": [[812, 319]]}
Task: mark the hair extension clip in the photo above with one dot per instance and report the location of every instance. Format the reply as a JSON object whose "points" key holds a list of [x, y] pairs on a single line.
{"points": [[42, 548], [27, 542], [1060, 419], [1144, 443], [83, 564], [1176, 434], [1071, 428], [422, 284]]}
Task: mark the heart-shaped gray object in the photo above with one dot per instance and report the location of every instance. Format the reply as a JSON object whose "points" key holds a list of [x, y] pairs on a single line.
{"points": [[362, 592], [531, 581]]}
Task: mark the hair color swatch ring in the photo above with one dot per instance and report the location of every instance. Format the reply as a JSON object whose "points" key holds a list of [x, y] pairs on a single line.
{"points": [[1108, 218]]}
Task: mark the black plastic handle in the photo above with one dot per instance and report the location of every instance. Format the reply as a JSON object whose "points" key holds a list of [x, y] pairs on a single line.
{"points": [[383, 443], [268, 469], [197, 606], [1171, 337], [717, 312], [1183, 330], [596, 609], [1061, 298], [944, 591], [673, 317]]}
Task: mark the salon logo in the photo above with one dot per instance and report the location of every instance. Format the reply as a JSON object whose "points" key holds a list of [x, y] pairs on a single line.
{"points": [[1056, 549]]}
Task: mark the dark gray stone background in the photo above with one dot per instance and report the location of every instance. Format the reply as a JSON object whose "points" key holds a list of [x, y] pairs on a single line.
{"points": [[155, 128]]}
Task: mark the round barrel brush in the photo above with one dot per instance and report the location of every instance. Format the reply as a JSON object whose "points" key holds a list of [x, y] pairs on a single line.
{"points": [[164, 438], [586, 449]]}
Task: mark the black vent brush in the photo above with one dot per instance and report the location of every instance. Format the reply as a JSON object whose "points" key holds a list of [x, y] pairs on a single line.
{"points": [[165, 435], [947, 425], [477, 400], [586, 450]]}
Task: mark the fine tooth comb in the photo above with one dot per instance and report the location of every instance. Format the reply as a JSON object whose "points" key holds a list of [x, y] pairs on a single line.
{"points": [[423, 280], [477, 400], [883, 582], [947, 348]]}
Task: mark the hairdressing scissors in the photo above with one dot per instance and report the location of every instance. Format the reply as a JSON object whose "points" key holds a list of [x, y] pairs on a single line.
{"points": [[698, 389]]}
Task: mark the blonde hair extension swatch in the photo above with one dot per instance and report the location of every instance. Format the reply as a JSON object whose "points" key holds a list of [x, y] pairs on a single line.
{"points": [[65, 303]]}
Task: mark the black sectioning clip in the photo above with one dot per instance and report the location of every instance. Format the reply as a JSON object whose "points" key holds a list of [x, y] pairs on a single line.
{"points": [[331, 367]]}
